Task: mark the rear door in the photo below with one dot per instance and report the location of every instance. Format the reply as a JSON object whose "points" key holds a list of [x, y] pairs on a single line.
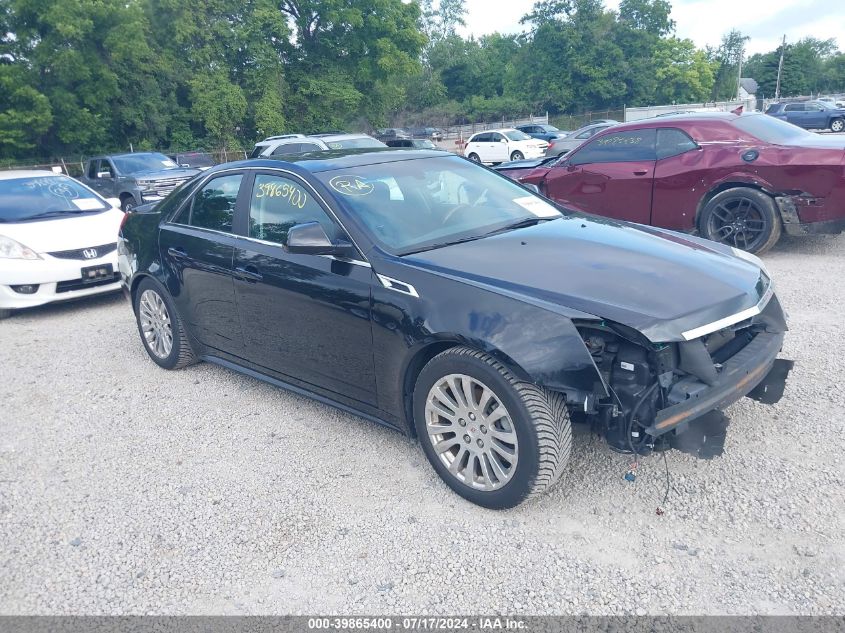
{"points": [[795, 114], [197, 247], [611, 176]]}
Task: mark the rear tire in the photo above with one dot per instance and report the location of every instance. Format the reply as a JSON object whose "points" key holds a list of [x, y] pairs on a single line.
{"points": [[474, 158], [527, 430], [837, 125], [742, 217], [161, 328], [517, 156]]}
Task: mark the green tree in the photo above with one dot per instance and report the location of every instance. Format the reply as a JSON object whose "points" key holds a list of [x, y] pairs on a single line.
{"points": [[219, 104], [25, 114]]}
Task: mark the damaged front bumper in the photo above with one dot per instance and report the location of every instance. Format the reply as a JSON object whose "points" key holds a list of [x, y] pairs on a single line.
{"points": [[739, 375]]}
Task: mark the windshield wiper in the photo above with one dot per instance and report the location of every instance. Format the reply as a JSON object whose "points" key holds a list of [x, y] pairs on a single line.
{"points": [[49, 214], [524, 222]]}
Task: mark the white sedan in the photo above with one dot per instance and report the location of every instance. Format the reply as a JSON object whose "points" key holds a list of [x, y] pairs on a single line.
{"points": [[58, 240], [499, 146]]}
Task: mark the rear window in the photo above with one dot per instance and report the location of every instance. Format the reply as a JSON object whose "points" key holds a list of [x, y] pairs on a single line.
{"points": [[23, 199], [769, 129], [354, 143]]}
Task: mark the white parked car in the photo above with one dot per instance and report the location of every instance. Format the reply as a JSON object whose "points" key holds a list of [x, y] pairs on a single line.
{"points": [[499, 146], [58, 240]]}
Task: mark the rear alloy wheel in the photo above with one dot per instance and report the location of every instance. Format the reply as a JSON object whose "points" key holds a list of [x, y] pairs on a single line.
{"points": [[742, 217], [837, 125], [493, 439], [517, 156], [161, 327], [474, 158]]}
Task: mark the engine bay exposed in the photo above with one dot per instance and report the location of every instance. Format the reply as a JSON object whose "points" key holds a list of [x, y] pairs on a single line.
{"points": [[640, 379]]}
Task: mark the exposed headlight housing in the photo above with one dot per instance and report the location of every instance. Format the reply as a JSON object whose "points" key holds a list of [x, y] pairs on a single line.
{"points": [[10, 249], [752, 259]]}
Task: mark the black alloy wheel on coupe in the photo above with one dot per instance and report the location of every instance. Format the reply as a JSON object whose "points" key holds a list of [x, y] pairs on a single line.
{"points": [[742, 217]]}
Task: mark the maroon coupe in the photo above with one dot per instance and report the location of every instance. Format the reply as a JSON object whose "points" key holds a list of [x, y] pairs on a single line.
{"points": [[737, 179]]}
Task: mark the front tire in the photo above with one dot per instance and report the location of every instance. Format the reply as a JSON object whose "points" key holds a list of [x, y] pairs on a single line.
{"points": [[161, 328], [494, 439], [517, 156], [742, 217], [837, 125], [128, 204]]}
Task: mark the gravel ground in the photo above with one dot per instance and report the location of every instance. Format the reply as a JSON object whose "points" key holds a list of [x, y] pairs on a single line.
{"points": [[128, 489]]}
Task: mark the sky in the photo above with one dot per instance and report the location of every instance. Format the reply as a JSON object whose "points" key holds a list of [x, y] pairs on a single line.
{"points": [[702, 21]]}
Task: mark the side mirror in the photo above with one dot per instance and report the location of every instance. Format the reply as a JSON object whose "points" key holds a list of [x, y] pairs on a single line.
{"points": [[103, 174], [310, 238]]}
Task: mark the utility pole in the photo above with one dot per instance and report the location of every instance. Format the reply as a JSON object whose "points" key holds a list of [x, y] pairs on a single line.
{"points": [[739, 74], [780, 68]]}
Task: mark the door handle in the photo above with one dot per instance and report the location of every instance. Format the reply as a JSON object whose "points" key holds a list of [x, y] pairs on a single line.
{"points": [[177, 252], [249, 273], [640, 172]]}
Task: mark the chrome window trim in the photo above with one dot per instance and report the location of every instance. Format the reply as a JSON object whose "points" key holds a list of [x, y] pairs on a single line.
{"points": [[257, 169], [727, 321]]}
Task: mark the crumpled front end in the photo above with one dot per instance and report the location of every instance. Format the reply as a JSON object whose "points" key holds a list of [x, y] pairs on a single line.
{"points": [[657, 388]]}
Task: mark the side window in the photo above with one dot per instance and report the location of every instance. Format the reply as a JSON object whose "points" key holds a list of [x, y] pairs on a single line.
{"points": [[622, 147], [794, 107], [213, 206], [672, 141], [309, 147], [479, 138], [586, 134], [286, 149], [495, 137], [278, 203]]}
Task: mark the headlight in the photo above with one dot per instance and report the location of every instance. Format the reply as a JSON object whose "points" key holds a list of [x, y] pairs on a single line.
{"points": [[752, 259], [10, 249]]}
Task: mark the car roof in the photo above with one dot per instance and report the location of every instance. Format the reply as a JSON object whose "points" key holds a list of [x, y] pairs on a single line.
{"points": [[26, 173], [330, 160], [125, 154]]}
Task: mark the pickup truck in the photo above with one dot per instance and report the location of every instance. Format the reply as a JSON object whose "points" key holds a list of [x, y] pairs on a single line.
{"points": [[136, 178]]}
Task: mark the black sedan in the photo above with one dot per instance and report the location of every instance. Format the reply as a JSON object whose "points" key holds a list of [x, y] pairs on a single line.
{"points": [[431, 295]]}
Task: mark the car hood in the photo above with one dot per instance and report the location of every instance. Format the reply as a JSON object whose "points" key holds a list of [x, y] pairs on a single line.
{"points": [[165, 174], [658, 282], [66, 232]]}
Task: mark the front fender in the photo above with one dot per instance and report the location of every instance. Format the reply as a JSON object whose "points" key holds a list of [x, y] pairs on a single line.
{"points": [[538, 343]]}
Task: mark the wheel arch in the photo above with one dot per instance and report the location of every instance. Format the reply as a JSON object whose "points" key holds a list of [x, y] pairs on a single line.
{"points": [[733, 183], [421, 356]]}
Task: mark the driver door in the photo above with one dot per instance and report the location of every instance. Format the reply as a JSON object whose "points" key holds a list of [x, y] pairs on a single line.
{"points": [[305, 317], [611, 175], [498, 148]]}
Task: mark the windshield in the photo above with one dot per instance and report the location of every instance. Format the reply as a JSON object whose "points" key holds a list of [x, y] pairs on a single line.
{"points": [[23, 199], [355, 143], [516, 135], [770, 129], [413, 205], [134, 163]]}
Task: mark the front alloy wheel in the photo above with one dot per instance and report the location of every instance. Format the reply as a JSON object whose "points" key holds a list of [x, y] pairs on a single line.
{"points": [[837, 125], [471, 432], [493, 439]]}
